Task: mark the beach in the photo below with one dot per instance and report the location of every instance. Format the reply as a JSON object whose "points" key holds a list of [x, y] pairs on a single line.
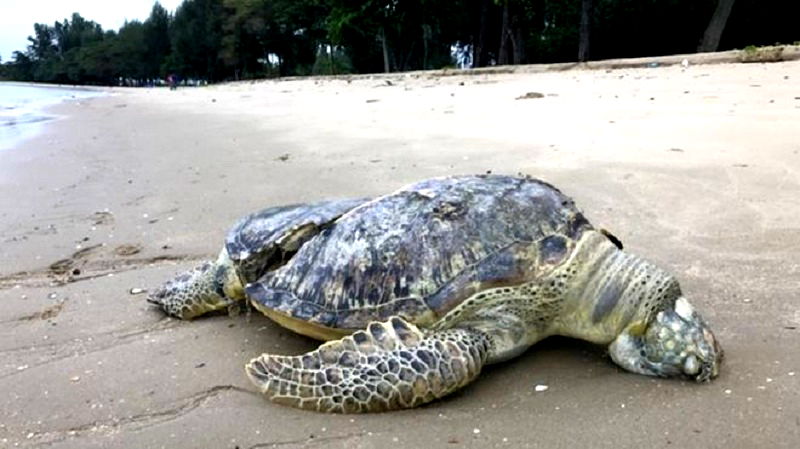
{"points": [[23, 108], [694, 168]]}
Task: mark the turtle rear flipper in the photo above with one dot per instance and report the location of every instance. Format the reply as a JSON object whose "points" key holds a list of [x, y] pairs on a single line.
{"points": [[392, 365]]}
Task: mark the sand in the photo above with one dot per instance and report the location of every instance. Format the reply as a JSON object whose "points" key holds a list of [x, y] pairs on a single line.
{"points": [[695, 169]]}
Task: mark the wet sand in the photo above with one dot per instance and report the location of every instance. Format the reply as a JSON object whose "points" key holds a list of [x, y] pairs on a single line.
{"points": [[695, 169]]}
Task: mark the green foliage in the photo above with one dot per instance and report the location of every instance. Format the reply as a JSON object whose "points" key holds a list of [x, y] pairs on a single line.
{"points": [[20, 69], [217, 40], [331, 60], [196, 39], [403, 35], [751, 53], [157, 41]]}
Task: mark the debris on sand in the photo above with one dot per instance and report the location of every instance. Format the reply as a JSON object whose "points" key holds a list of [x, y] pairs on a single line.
{"points": [[103, 217], [530, 95], [127, 249]]}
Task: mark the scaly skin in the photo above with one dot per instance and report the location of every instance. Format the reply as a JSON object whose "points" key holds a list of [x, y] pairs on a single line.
{"points": [[599, 294], [638, 309], [390, 366], [208, 287], [485, 265]]}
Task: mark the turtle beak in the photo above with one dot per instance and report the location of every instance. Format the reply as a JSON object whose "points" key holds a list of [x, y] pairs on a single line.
{"points": [[701, 363], [155, 297], [709, 367]]}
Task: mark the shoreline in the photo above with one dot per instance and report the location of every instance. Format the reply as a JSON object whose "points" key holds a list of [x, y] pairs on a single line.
{"points": [[24, 116], [55, 86], [696, 169]]}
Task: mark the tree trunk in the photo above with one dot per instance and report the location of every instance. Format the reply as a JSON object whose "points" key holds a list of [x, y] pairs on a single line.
{"points": [[478, 53], [587, 7], [502, 54], [333, 62], [716, 26], [426, 36], [385, 51], [519, 47]]}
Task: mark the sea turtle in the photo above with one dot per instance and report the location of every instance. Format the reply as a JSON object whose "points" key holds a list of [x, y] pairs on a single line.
{"points": [[418, 289]]}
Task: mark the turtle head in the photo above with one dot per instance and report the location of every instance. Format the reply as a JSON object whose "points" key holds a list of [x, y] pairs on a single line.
{"points": [[189, 294], [208, 287], [676, 343]]}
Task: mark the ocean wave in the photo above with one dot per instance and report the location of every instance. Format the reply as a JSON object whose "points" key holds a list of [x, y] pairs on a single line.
{"points": [[25, 119], [22, 106]]}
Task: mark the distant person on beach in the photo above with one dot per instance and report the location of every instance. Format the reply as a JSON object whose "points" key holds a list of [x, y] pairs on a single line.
{"points": [[172, 80]]}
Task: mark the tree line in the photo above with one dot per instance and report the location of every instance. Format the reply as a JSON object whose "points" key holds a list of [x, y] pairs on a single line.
{"points": [[219, 40]]}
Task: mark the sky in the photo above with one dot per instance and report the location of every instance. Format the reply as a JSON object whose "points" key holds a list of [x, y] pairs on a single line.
{"points": [[18, 16]]}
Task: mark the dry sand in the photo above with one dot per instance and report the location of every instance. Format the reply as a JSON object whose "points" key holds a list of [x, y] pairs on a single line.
{"points": [[695, 169]]}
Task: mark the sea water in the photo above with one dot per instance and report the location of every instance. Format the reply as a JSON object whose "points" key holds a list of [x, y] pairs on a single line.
{"points": [[22, 109]]}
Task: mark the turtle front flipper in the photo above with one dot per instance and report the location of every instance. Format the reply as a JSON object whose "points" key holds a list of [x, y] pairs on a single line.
{"points": [[392, 365], [205, 288]]}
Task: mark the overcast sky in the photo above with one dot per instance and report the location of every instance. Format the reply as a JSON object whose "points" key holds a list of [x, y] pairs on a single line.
{"points": [[18, 16]]}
